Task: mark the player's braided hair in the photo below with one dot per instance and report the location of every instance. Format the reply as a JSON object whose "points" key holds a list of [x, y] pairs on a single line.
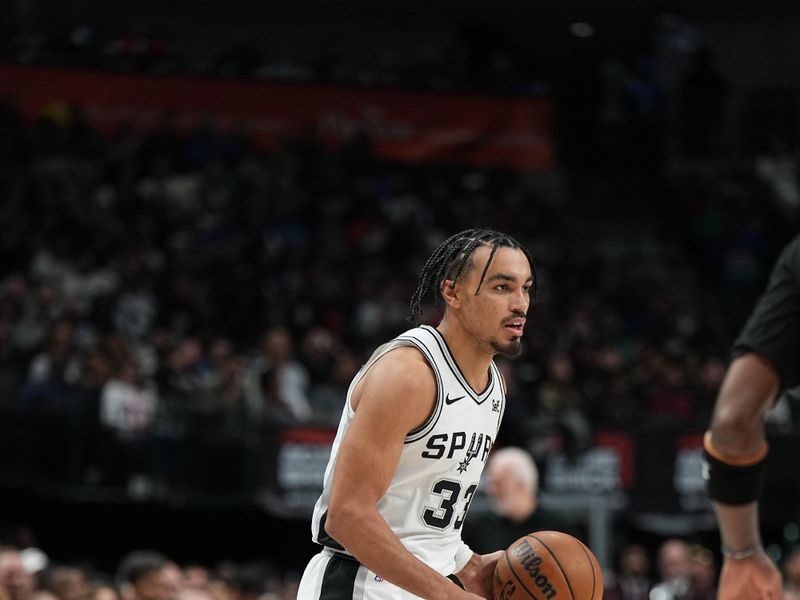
{"points": [[452, 256]]}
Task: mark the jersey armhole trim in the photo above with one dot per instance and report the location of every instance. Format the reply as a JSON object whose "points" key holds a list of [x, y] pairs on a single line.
{"points": [[425, 428], [401, 341]]}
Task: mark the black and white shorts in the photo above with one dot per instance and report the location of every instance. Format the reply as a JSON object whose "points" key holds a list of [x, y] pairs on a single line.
{"points": [[333, 576]]}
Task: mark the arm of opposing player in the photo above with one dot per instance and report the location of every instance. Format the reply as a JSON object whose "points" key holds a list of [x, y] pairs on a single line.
{"points": [[395, 396], [737, 431]]}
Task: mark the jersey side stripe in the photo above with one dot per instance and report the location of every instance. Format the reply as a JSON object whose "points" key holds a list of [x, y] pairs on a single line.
{"points": [[339, 579], [360, 586]]}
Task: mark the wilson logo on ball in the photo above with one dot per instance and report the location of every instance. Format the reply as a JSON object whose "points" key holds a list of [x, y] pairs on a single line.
{"points": [[530, 561]]}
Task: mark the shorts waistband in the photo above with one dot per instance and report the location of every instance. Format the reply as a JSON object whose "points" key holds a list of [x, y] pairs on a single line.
{"points": [[338, 554], [343, 555]]}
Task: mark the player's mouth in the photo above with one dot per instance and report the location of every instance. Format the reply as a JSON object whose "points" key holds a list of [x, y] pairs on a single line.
{"points": [[515, 326]]}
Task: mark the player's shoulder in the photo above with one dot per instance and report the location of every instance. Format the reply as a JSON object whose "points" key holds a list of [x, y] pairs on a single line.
{"points": [[401, 379], [405, 364]]}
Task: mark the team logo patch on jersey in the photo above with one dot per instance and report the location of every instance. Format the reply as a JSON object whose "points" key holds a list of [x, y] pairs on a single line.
{"points": [[496, 406], [475, 445]]}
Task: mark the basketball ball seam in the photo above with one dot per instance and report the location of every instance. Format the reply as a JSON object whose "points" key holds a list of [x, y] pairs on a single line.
{"points": [[511, 568], [591, 564], [555, 558]]}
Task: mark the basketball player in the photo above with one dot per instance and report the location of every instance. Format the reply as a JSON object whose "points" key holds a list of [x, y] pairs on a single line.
{"points": [[418, 423], [766, 360]]}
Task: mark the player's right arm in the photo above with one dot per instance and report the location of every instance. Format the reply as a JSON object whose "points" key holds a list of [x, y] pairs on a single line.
{"points": [[736, 435], [396, 395]]}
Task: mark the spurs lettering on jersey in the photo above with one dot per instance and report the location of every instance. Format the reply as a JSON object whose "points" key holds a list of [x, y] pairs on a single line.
{"points": [[452, 443], [441, 462]]}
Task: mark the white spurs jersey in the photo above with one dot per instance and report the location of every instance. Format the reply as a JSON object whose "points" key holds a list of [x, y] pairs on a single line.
{"points": [[441, 462]]}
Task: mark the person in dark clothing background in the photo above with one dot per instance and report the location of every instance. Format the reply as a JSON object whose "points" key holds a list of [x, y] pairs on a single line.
{"points": [[513, 485]]}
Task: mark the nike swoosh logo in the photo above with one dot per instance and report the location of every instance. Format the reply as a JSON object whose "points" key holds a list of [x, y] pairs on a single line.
{"points": [[449, 400]]}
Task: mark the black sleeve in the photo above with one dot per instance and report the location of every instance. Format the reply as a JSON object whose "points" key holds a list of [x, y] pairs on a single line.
{"points": [[773, 329]]}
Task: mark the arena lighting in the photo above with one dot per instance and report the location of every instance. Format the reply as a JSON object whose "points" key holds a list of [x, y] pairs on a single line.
{"points": [[581, 29]]}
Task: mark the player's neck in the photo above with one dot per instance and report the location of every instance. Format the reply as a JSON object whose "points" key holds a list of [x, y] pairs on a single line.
{"points": [[472, 360]]}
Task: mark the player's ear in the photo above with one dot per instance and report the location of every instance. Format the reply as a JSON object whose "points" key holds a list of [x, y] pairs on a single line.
{"points": [[451, 293]]}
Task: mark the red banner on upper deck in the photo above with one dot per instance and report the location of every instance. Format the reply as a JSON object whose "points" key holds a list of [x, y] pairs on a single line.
{"points": [[403, 126]]}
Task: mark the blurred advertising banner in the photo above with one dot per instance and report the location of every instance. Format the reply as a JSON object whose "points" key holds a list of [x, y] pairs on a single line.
{"points": [[298, 469], [419, 127], [607, 467], [670, 496], [656, 469]]}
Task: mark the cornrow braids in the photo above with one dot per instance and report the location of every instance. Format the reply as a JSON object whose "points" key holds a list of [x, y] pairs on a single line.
{"points": [[450, 258]]}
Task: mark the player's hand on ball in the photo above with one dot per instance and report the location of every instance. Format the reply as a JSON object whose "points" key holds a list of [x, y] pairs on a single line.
{"points": [[752, 578], [478, 572]]}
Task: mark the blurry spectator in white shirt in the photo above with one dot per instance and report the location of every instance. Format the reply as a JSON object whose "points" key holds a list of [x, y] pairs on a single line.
{"points": [[277, 385]]}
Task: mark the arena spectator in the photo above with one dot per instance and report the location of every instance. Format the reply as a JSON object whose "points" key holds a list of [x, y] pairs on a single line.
{"points": [[100, 589], [65, 582], [703, 573], [675, 571], [632, 579], [147, 575], [196, 577], [15, 579], [791, 573], [128, 404], [512, 486], [327, 396], [54, 374], [277, 383]]}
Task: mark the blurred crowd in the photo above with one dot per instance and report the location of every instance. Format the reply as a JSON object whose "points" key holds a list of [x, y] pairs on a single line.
{"points": [[682, 572], [675, 570], [29, 574], [165, 289], [449, 55]]}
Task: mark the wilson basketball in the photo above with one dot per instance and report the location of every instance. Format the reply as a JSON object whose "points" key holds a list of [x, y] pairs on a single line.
{"points": [[548, 565]]}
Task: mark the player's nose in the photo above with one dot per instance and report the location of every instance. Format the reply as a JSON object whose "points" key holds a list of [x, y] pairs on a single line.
{"points": [[520, 301]]}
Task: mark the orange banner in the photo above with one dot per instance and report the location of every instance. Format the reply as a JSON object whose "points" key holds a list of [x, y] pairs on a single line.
{"points": [[403, 126]]}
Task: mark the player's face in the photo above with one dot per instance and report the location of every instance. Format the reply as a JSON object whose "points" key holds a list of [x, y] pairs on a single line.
{"points": [[496, 316]]}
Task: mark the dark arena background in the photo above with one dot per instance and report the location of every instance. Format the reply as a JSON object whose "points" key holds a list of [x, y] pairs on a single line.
{"points": [[212, 213]]}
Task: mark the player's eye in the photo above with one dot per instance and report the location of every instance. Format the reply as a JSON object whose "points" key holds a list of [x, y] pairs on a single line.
{"points": [[501, 287]]}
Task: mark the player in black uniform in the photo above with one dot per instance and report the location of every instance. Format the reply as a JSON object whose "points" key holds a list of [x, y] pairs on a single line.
{"points": [[766, 361]]}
